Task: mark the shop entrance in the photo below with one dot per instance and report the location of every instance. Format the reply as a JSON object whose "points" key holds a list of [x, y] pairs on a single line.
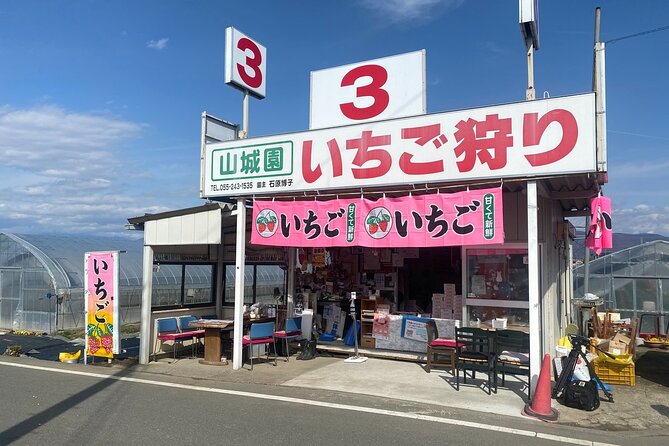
{"points": [[426, 275], [398, 282]]}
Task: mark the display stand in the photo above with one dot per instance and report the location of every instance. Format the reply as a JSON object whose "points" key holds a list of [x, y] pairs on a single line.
{"points": [[585, 307], [367, 310], [356, 359]]}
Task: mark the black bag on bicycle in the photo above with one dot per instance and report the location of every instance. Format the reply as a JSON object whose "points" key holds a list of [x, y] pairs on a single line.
{"points": [[581, 395]]}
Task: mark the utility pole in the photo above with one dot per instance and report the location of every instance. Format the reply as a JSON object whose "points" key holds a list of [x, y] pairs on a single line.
{"points": [[599, 87], [529, 28]]}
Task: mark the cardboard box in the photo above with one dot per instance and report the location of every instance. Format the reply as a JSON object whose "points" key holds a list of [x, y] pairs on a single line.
{"points": [[619, 344], [367, 342], [617, 350]]}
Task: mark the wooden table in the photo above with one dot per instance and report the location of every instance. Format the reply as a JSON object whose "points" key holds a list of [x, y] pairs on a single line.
{"points": [[212, 336]]}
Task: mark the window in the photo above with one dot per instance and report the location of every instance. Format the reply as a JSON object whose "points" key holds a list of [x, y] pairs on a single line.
{"points": [[623, 290], [497, 286], [178, 285], [259, 283], [647, 295]]}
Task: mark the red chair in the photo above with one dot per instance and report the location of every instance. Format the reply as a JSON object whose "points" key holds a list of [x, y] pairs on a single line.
{"points": [[436, 347], [293, 330], [260, 333]]}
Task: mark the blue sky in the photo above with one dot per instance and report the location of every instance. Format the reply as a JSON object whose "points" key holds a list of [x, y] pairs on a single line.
{"points": [[100, 101]]}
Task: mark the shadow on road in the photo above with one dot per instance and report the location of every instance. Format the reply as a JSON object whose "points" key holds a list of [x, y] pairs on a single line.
{"points": [[23, 428]]}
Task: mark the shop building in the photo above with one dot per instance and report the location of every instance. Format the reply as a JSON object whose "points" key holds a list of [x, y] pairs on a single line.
{"points": [[494, 280], [462, 213]]}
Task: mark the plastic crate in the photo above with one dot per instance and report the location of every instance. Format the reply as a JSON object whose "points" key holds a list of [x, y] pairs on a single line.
{"points": [[614, 373]]}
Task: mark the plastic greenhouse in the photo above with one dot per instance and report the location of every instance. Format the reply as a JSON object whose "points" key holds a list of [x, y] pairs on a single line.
{"points": [[41, 281], [634, 281]]}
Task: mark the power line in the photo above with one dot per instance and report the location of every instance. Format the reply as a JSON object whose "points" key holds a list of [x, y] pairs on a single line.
{"points": [[638, 34]]}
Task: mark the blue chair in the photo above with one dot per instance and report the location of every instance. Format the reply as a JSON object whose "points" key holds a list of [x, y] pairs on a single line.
{"points": [[197, 333], [167, 329], [260, 333], [293, 330]]}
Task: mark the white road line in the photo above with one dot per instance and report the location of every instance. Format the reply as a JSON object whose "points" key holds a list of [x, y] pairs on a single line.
{"points": [[287, 399]]}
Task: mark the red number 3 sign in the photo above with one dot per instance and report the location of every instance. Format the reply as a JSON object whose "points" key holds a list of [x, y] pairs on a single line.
{"points": [[390, 87], [374, 90], [245, 62], [253, 63]]}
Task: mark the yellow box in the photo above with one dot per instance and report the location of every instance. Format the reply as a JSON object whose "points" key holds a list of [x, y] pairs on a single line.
{"points": [[614, 371]]}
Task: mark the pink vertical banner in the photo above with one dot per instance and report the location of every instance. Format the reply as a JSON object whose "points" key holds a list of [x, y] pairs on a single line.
{"points": [[101, 279], [464, 218], [600, 232]]}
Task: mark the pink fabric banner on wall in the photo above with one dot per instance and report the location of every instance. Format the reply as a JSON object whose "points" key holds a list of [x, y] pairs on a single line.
{"points": [[600, 232], [464, 218]]}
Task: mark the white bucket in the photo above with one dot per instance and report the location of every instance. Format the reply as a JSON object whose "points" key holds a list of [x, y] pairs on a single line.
{"points": [[648, 305], [499, 323]]}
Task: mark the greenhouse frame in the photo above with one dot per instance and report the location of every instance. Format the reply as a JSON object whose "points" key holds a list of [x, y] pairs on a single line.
{"points": [[42, 281], [633, 282]]}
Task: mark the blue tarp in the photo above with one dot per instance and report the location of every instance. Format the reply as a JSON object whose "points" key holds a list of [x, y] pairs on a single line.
{"points": [[349, 339]]}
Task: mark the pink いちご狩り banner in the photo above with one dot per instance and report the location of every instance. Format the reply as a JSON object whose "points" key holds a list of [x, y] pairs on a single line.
{"points": [[464, 218], [101, 301]]}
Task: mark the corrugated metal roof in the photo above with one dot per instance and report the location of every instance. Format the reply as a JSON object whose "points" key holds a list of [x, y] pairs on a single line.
{"points": [[139, 221]]}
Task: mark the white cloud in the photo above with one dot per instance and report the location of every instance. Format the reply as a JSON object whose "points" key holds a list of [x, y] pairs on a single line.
{"points": [[65, 172], [490, 46], [32, 190], [159, 44], [409, 10], [52, 142], [641, 219], [641, 170]]}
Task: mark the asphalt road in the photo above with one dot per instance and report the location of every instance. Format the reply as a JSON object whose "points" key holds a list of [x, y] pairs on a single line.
{"points": [[42, 406]]}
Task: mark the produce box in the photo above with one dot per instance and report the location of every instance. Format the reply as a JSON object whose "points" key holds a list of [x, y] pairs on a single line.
{"points": [[615, 371], [619, 344]]}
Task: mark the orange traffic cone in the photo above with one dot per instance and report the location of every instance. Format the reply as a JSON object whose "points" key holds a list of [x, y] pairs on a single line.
{"points": [[541, 400]]}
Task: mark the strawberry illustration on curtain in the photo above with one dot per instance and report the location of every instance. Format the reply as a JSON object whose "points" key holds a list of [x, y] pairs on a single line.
{"points": [[600, 232]]}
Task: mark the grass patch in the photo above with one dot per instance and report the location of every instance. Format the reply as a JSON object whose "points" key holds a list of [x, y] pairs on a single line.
{"points": [[79, 332], [130, 328], [73, 333]]}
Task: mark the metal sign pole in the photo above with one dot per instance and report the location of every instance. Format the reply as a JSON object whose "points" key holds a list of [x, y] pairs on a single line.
{"points": [[240, 257], [356, 358], [245, 116], [355, 327]]}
